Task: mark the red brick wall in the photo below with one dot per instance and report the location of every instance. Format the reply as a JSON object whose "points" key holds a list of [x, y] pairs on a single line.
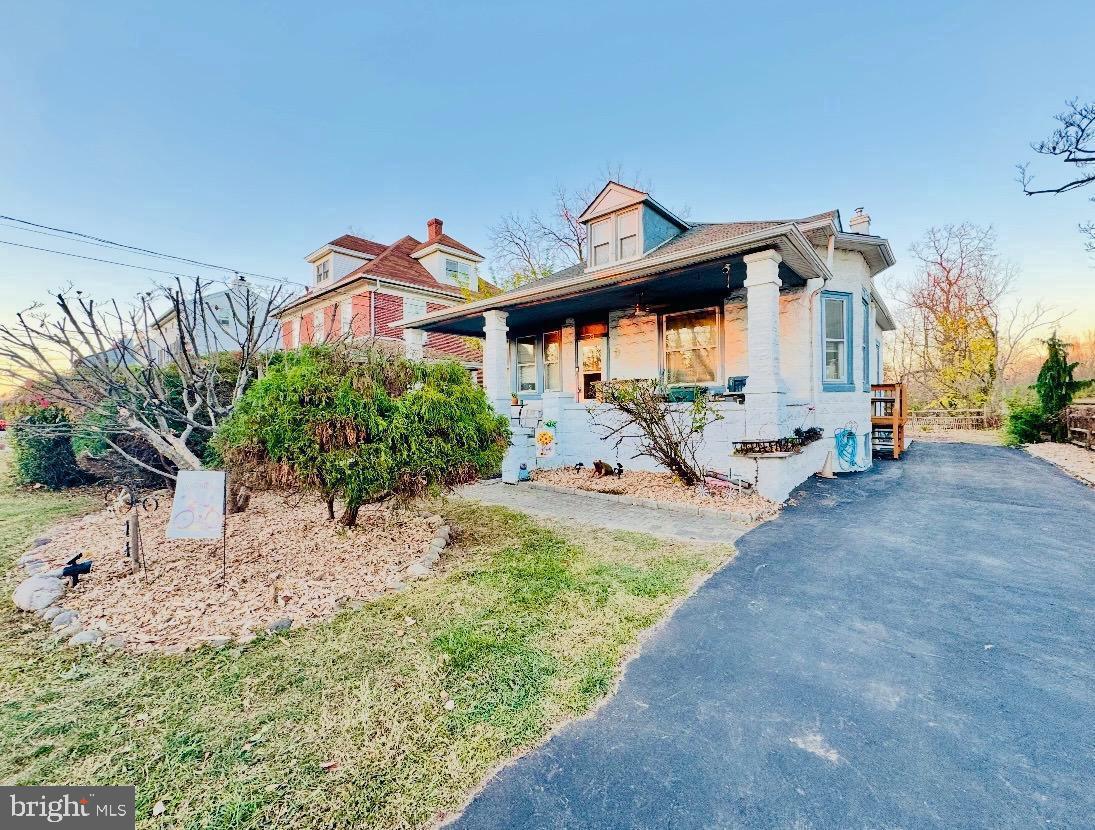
{"points": [[331, 322], [287, 334], [451, 344], [389, 309], [307, 328], [360, 322]]}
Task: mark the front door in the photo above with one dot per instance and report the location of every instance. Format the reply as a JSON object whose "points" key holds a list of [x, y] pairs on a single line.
{"points": [[592, 346]]}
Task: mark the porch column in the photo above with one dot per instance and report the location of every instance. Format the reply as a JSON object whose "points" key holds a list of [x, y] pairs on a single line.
{"points": [[414, 343], [496, 360], [765, 390]]}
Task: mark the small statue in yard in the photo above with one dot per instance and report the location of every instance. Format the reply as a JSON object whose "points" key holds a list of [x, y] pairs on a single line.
{"points": [[601, 469], [578, 467], [74, 569], [619, 470]]}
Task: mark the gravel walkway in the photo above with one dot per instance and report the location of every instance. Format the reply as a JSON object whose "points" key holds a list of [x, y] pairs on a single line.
{"points": [[665, 523]]}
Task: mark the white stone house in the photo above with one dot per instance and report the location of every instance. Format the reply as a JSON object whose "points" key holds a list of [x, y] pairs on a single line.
{"points": [[779, 320]]}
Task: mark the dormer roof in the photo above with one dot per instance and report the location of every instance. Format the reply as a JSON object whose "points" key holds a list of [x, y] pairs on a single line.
{"points": [[615, 197], [445, 241]]}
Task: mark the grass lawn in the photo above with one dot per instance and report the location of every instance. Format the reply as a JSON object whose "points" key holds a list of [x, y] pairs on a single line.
{"points": [[343, 724]]}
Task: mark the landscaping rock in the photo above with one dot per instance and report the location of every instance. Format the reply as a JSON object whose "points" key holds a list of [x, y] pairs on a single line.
{"points": [[41, 540], [218, 641], [49, 612], [28, 557], [91, 637], [431, 558], [417, 570], [37, 592], [436, 546], [115, 642], [280, 626], [444, 532], [395, 585], [64, 618], [67, 631]]}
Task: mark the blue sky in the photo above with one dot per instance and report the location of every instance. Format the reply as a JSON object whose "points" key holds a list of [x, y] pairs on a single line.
{"points": [[250, 134]]}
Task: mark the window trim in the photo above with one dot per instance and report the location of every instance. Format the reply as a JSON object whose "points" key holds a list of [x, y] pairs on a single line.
{"points": [[620, 238], [663, 363], [544, 361], [517, 364], [846, 384], [866, 347], [610, 223]]}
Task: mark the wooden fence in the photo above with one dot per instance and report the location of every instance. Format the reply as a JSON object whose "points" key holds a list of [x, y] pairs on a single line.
{"points": [[940, 420], [1081, 425]]}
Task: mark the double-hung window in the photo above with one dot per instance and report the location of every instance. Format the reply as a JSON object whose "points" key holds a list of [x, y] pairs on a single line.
{"points": [[553, 352], [323, 270], [629, 234], [600, 241], [691, 347], [457, 272], [836, 329], [526, 364]]}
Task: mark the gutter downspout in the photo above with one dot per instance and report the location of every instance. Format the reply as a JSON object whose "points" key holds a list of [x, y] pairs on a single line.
{"points": [[829, 257], [372, 310]]}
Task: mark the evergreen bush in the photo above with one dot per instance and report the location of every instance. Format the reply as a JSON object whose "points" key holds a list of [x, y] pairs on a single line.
{"points": [[41, 440], [361, 425]]}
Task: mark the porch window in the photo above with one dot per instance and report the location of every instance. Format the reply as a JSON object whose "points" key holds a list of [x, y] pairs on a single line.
{"points": [[526, 364], [836, 327], [600, 234], [553, 350], [629, 234], [691, 347]]}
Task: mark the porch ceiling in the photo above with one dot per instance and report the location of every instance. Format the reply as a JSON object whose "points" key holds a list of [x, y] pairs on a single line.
{"points": [[679, 288]]}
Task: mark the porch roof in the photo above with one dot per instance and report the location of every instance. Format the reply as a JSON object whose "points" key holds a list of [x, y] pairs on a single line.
{"points": [[692, 277]]}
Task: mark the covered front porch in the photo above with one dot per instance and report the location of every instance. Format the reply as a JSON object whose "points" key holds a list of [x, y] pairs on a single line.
{"points": [[725, 324]]}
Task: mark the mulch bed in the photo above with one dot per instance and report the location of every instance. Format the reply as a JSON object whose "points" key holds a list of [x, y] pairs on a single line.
{"points": [[660, 487], [285, 559]]}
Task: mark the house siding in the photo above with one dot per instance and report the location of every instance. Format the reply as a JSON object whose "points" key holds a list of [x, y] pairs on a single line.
{"points": [[656, 229]]}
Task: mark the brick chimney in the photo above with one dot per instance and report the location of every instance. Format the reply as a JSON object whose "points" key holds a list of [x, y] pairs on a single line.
{"points": [[433, 230], [860, 222]]}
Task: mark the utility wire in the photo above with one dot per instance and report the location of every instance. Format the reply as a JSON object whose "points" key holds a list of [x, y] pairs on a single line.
{"points": [[111, 262], [98, 241]]}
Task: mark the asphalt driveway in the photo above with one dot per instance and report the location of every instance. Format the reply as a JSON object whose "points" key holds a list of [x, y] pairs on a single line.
{"points": [[910, 647]]}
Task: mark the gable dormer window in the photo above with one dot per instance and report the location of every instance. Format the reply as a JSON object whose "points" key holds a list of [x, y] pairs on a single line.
{"points": [[629, 234], [600, 234], [323, 270], [457, 272]]}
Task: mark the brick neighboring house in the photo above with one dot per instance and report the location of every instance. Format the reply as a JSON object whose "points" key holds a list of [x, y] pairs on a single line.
{"points": [[362, 289]]}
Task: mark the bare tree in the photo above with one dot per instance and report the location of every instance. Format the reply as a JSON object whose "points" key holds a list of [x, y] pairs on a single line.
{"points": [[1073, 142], [529, 247], [159, 377], [961, 331], [521, 252], [668, 432]]}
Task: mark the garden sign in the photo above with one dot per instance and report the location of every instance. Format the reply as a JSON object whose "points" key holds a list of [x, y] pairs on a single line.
{"points": [[198, 509]]}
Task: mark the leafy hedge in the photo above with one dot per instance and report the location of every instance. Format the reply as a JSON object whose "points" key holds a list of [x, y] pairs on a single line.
{"points": [[361, 425], [41, 441]]}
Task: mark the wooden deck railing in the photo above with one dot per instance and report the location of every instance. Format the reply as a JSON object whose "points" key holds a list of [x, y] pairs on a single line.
{"points": [[888, 416], [931, 420]]}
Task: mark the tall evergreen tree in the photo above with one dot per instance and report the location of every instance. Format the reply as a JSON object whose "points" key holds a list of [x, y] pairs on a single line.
{"points": [[1055, 387]]}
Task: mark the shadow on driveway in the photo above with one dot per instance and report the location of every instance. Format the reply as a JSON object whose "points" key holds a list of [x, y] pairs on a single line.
{"points": [[910, 647]]}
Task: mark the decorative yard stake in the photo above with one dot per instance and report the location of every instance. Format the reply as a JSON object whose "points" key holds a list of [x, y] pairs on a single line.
{"points": [[124, 501]]}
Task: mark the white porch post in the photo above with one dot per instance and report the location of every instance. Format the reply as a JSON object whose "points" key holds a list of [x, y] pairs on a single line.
{"points": [[496, 360], [415, 343], [765, 390]]}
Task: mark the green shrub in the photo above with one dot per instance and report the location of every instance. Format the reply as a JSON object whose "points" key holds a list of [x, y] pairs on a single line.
{"points": [[41, 441], [1055, 387], [1025, 422], [361, 425]]}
